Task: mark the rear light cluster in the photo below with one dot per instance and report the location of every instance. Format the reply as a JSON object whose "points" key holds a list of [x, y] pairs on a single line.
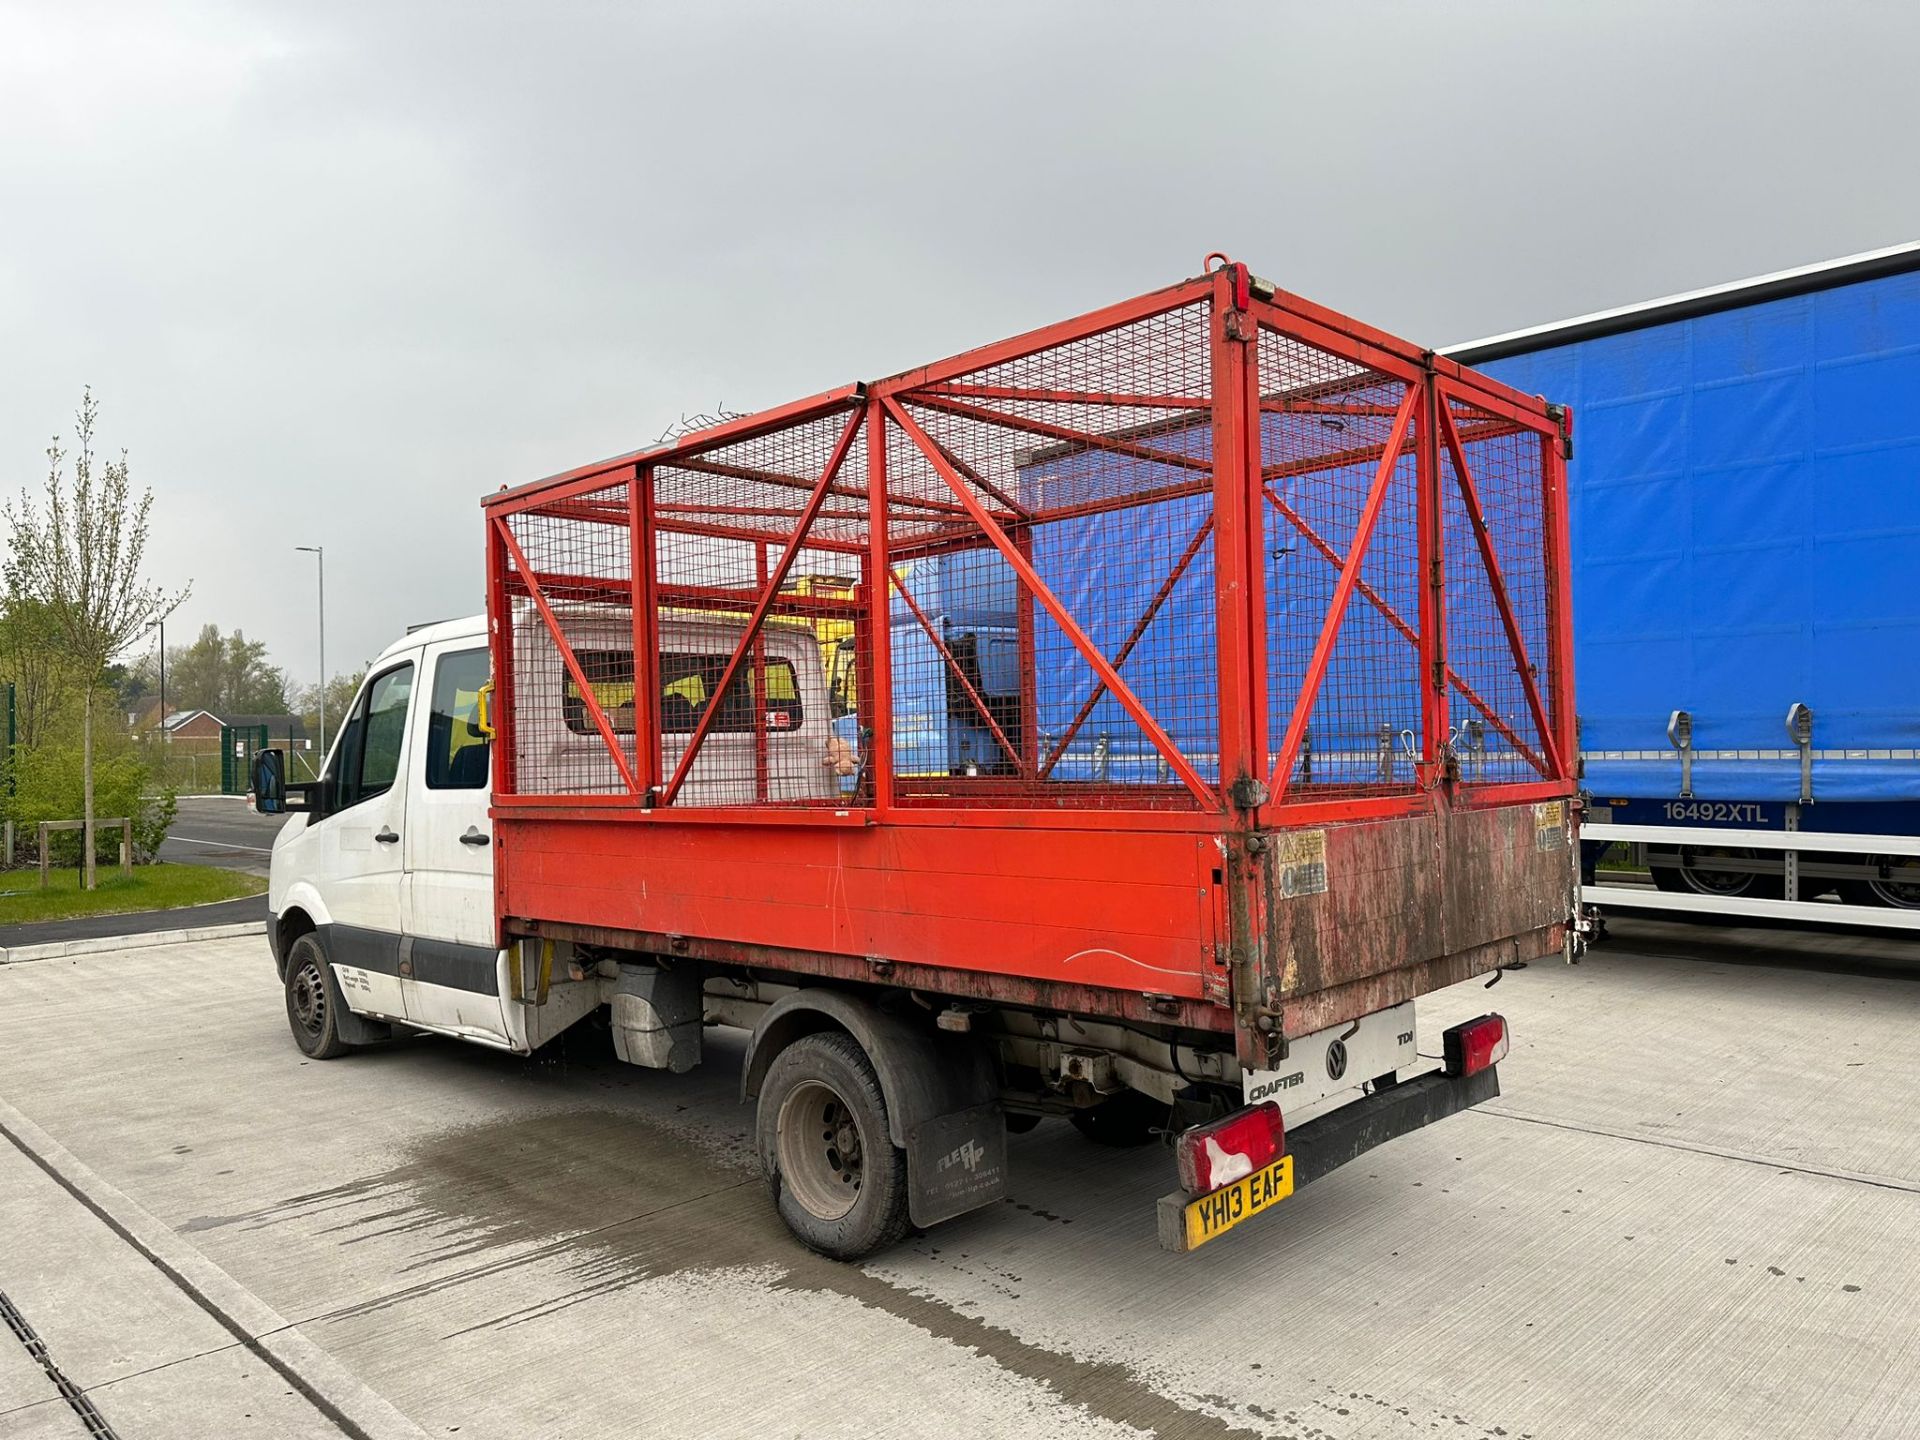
{"points": [[1220, 1153], [1475, 1046]]}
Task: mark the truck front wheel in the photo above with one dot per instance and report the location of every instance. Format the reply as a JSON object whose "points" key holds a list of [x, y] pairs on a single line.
{"points": [[838, 1180], [313, 1000]]}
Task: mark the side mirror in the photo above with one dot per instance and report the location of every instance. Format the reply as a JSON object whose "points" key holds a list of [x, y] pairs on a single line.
{"points": [[839, 703], [270, 783]]}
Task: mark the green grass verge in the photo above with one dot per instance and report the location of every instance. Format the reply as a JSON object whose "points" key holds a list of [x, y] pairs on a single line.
{"points": [[150, 887]]}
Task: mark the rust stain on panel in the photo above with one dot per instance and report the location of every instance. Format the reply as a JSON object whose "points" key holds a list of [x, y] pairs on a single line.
{"points": [[1413, 904]]}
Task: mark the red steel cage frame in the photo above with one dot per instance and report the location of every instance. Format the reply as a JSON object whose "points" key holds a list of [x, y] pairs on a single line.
{"points": [[1443, 411]]}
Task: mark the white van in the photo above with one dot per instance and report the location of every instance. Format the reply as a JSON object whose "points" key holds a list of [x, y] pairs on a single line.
{"points": [[381, 886], [878, 1105]]}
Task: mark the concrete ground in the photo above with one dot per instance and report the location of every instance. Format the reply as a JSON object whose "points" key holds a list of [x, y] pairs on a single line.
{"points": [[1692, 1213]]}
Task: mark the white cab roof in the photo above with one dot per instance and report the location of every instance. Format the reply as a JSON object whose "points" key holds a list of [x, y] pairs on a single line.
{"points": [[470, 627]]}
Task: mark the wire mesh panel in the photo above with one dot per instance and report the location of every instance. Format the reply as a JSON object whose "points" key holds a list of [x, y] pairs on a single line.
{"points": [[1496, 594], [1002, 582], [759, 562], [1339, 477], [744, 678], [1053, 643], [569, 583]]}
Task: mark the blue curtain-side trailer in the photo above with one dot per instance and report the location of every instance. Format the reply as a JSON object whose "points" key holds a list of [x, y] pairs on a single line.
{"points": [[1745, 485]]}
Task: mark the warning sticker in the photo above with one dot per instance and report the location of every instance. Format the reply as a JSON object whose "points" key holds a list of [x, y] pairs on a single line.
{"points": [[1300, 863], [1550, 825]]}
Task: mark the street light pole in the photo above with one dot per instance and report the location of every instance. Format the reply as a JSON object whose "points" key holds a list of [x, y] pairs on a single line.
{"points": [[161, 626], [319, 553]]}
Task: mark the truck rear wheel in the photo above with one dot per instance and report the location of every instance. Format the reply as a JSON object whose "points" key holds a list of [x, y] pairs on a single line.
{"points": [[313, 1000], [838, 1180]]}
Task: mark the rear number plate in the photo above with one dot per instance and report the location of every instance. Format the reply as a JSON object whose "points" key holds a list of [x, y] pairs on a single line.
{"points": [[1211, 1216]]}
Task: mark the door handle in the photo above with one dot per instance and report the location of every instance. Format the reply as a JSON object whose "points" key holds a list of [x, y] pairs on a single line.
{"points": [[474, 837], [386, 836]]}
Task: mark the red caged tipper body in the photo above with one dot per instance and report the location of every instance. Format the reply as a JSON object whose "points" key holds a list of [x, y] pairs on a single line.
{"points": [[1200, 664]]}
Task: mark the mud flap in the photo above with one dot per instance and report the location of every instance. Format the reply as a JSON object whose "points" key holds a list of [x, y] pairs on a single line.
{"points": [[956, 1163], [353, 1027]]}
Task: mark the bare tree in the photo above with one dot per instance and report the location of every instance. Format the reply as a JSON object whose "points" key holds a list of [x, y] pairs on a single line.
{"points": [[77, 552]]}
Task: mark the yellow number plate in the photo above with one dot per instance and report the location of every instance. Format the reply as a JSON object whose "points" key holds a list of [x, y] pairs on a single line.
{"points": [[1211, 1216]]}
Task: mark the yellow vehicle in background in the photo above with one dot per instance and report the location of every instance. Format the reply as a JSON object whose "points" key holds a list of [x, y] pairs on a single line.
{"points": [[836, 640]]}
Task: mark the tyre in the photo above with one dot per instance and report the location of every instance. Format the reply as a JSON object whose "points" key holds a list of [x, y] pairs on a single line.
{"points": [[838, 1180], [1898, 889], [313, 1000], [1692, 870], [1022, 1122], [1123, 1120]]}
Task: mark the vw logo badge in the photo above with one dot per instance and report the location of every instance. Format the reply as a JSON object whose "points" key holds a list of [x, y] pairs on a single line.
{"points": [[1336, 1060]]}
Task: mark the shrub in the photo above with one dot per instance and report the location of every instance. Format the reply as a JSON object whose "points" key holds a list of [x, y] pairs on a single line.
{"points": [[151, 824], [50, 785]]}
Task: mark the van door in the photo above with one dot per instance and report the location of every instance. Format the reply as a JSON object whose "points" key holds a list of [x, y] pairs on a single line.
{"points": [[452, 954], [359, 865]]}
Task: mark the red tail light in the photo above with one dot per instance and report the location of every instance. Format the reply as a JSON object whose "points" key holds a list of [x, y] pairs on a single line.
{"points": [[1475, 1046], [1218, 1154]]}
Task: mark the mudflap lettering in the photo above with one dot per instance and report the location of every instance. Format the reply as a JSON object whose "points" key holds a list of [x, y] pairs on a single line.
{"points": [[956, 1163]]}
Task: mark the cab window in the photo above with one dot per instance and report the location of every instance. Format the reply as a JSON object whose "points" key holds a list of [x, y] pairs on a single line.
{"points": [[687, 685], [456, 750], [371, 743]]}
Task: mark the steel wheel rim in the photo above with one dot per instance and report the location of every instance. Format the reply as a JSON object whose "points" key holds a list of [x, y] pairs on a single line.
{"points": [[821, 1150], [1705, 880], [309, 998], [1902, 894]]}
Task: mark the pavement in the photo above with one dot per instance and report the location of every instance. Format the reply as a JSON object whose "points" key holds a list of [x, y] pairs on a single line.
{"points": [[1691, 1213], [248, 909]]}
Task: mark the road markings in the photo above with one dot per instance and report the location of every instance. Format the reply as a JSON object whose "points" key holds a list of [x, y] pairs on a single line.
{"points": [[1670, 1142], [221, 845]]}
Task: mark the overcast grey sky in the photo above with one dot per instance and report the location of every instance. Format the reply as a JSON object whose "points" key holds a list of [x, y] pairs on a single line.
{"points": [[336, 270]]}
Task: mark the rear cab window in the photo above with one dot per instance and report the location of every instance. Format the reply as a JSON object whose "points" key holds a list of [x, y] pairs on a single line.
{"points": [[688, 680]]}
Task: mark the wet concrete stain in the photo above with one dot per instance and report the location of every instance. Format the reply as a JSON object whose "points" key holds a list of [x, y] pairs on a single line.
{"points": [[614, 1200]]}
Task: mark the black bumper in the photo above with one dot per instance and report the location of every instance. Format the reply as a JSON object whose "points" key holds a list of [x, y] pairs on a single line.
{"points": [[1318, 1147], [1324, 1145]]}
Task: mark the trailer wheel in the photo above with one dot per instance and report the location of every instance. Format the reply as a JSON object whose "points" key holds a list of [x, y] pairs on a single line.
{"points": [[1900, 890], [838, 1180], [1690, 870], [313, 1000], [1123, 1120]]}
